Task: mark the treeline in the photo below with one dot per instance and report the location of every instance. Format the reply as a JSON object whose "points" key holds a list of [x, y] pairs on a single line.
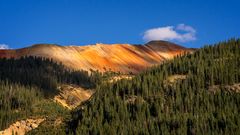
{"points": [[148, 105], [44, 73]]}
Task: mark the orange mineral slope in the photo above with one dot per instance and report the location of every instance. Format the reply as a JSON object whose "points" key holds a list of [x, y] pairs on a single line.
{"points": [[115, 57]]}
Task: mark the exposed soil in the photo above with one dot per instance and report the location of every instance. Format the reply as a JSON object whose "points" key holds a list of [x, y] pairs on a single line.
{"points": [[120, 77], [71, 96], [231, 88], [23, 126], [174, 78]]}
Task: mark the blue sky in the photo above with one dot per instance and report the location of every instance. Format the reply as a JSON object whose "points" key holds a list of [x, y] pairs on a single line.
{"points": [[79, 22]]}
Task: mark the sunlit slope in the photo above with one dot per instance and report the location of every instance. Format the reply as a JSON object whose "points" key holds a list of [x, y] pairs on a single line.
{"points": [[115, 57]]}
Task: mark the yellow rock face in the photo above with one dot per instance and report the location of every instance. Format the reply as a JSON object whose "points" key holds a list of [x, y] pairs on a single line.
{"points": [[115, 57]]}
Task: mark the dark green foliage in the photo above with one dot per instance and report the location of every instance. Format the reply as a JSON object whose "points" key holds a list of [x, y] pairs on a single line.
{"points": [[16, 102], [145, 105], [43, 73]]}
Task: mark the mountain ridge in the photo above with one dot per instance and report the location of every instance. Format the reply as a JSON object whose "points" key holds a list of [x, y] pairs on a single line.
{"points": [[123, 58]]}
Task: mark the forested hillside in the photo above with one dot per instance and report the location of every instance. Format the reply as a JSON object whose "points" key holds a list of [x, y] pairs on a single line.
{"points": [[28, 84], [18, 102], [149, 104], [43, 73]]}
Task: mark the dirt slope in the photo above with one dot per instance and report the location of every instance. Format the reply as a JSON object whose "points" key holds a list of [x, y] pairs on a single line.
{"points": [[116, 57], [71, 96], [22, 127]]}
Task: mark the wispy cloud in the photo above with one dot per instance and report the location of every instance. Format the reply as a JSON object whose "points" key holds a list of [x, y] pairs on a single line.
{"points": [[181, 33], [4, 46]]}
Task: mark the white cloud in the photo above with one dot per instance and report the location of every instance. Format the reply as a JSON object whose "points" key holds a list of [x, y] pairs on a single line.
{"points": [[4, 46], [181, 33]]}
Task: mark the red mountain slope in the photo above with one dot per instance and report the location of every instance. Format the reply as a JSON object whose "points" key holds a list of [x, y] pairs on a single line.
{"points": [[116, 57]]}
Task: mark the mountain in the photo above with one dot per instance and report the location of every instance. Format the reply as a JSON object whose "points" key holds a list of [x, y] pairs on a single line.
{"points": [[103, 57], [197, 93]]}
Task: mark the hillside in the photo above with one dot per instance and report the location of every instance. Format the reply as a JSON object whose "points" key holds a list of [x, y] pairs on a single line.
{"points": [[176, 97], [33, 88], [125, 58]]}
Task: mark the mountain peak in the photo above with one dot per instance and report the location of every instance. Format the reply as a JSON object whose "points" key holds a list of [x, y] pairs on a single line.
{"points": [[161, 45], [159, 42], [44, 45]]}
